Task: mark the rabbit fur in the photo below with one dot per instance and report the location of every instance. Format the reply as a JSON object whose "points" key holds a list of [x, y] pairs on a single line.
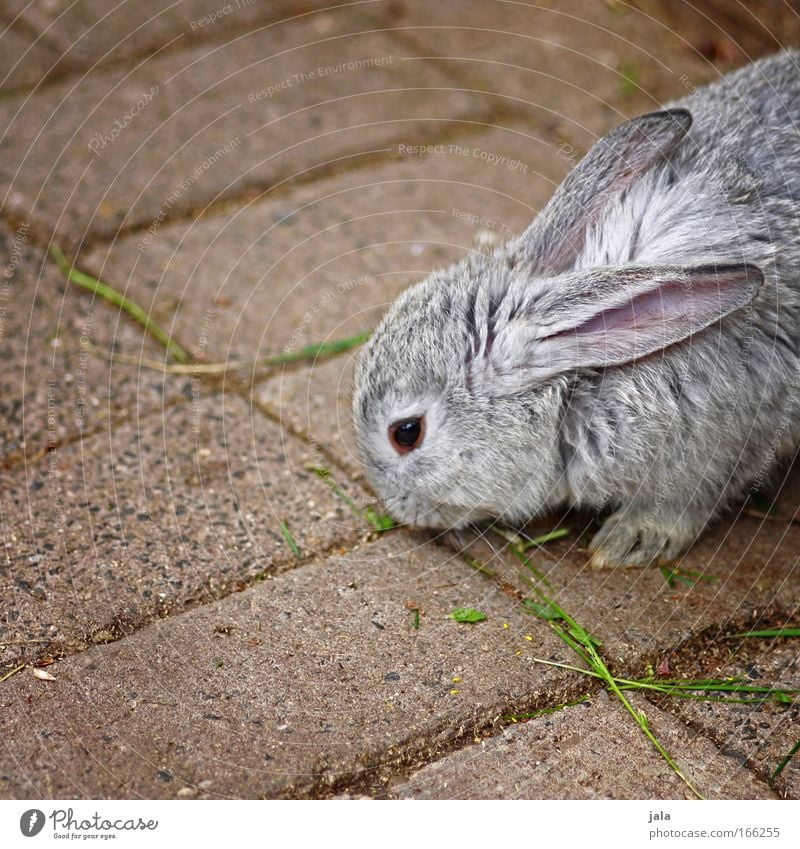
{"points": [[635, 350]]}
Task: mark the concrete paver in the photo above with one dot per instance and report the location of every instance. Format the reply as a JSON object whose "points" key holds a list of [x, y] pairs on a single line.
{"points": [[577, 753], [570, 68], [75, 35], [127, 148], [153, 514], [750, 566], [758, 735], [55, 387], [325, 262], [315, 677]]}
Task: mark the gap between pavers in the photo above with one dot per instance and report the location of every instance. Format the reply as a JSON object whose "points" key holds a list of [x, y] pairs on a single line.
{"points": [[749, 569], [309, 681], [589, 751], [174, 509], [758, 736], [127, 148], [324, 262], [57, 387], [23, 57], [590, 64], [73, 36]]}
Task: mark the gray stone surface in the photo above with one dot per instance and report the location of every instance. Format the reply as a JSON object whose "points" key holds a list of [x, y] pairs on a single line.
{"points": [[71, 36], [23, 58], [126, 148], [154, 514], [194, 654], [312, 679], [281, 274], [758, 735], [54, 388], [750, 568], [590, 751], [288, 272]]}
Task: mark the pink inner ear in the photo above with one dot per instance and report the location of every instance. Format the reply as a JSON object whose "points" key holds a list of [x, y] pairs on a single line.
{"points": [[663, 304], [666, 313]]}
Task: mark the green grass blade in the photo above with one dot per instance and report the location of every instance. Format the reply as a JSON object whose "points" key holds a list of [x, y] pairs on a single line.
{"points": [[573, 644], [640, 718], [380, 522], [685, 576], [290, 540], [586, 646], [478, 567], [768, 632], [97, 287], [629, 72], [312, 352], [785, 760], [702, 685], [543, 539], [309, 352], [523, 717], [519, 554]]}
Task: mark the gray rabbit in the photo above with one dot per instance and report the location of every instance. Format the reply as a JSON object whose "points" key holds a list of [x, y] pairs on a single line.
{"points": [[636, 349]]}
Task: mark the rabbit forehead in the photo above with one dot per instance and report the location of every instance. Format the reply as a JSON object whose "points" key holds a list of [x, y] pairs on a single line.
{"points": [[422, 342]]}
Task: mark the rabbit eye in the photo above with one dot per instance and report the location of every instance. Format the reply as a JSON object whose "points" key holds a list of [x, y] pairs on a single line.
{"points": [[407, 434]]}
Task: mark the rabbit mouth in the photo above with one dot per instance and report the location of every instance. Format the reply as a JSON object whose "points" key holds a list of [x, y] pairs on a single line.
{"points": [[434, 516]]}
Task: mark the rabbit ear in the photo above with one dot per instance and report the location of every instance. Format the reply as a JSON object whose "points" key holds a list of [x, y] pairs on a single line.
{"points": [[555, 238], [611, 316]]}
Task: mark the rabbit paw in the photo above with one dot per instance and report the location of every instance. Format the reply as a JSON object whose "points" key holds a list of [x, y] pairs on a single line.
{"points": [[633, 537]]}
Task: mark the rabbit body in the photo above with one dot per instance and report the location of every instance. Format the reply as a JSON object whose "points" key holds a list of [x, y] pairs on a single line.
{"points": [[637, 349]]}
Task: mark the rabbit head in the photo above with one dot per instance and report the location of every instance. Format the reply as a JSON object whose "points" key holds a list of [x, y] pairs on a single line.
{"points": [[440, 451], [462, 391]]}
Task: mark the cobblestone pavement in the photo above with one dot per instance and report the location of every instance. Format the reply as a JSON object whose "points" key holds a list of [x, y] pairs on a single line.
{"points": [[220, 616]]}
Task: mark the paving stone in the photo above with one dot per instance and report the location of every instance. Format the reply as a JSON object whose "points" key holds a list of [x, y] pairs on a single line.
{"points": [[129, 147], [315, 401], [750, 568], [722, 33], [314, 677], [574, 69], [23, 58], [757, 735], [53, 387], [590, 751], [148, 516], [325, 262], [78, 35]]}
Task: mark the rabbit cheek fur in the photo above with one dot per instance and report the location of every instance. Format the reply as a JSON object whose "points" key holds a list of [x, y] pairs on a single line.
{"points": [[635, 350], [479, 457]]}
